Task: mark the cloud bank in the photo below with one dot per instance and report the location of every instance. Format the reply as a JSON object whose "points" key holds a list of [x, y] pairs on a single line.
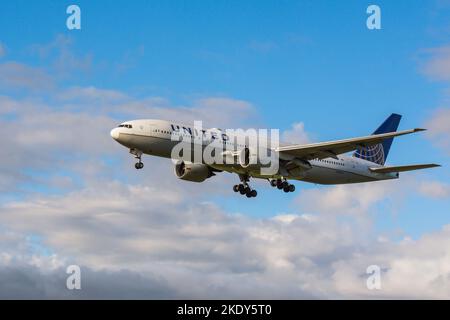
{"points": [[71, 196]]}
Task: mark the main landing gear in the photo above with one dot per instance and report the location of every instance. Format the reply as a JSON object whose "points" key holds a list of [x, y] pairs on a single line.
{"points": [[282, 185], [138, 155], [244, 188]]}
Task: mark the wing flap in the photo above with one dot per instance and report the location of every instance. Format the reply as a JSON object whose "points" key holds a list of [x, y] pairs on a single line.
{"points": [[328, 149], [403, 168]]}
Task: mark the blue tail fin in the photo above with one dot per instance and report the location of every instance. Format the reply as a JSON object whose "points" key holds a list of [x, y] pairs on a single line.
{"points": [[378, 153]]}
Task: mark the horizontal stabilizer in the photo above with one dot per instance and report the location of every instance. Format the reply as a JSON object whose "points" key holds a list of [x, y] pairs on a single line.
{"points": [[403, 168], [322, 150]]}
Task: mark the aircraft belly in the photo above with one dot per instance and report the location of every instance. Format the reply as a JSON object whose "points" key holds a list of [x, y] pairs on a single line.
{"points": [[159, 147], [149, 145], [333, 176]]}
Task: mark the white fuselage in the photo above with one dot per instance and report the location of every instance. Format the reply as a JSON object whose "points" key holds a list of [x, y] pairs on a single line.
{"points": [[154, 137]]}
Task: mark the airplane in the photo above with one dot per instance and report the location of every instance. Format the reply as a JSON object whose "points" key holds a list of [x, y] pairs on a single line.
{"points": [[326, 163]]}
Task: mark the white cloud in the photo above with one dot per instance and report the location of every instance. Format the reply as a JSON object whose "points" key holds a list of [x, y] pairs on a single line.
{"points": [[162, 232], [351, 199], [151, 235], [92, 94], [439, 128], [218, 112], [45, 140], [196, 250], [297, 134], [412, 269], [8, 105], [73, 138], [435, 189], [437, 66], [156, 236], [63, 56], [14, 74], [286, 218]]}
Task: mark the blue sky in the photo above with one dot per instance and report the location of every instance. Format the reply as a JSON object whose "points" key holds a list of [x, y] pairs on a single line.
{"points": [[296, 57], [308, 61], [293, 61]]}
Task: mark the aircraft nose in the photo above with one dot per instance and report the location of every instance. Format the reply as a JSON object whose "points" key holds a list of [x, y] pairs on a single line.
{"points": [[115, 133]]}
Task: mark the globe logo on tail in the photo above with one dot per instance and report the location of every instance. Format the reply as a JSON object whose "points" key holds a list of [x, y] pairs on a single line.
{"points": [[373, 154]]}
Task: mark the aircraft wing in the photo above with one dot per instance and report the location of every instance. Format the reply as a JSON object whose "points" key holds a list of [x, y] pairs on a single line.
{"points": [[322, 150], [403, 168]]}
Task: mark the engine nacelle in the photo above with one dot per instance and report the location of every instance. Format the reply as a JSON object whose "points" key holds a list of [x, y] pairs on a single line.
{"points": [[195, 172], [298, 167]]}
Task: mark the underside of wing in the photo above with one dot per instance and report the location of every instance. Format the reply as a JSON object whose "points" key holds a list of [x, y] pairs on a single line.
{"points": [[331, 149], [403, 168]]}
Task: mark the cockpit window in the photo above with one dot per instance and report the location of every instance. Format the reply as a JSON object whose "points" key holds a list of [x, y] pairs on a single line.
{"points": [[129, 126]]}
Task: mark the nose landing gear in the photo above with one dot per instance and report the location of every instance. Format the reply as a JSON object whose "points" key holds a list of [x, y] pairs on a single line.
{"points": [[138, 165], [138, 155]]}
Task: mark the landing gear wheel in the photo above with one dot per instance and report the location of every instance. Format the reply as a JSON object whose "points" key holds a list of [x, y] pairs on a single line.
{"points": [[273, 183], [139, 165], [286, 189], [291, 188], [244, 188]]}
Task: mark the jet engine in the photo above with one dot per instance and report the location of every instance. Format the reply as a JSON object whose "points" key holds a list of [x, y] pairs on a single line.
{"points": [[195, 172]]}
